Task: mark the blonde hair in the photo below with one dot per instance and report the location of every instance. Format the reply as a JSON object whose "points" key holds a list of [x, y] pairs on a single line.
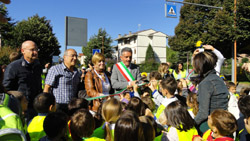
{"points": [[163, 68], [111, 111], [97, 57]]}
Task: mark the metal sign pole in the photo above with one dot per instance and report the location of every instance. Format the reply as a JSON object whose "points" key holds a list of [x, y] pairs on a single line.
{"points": [[195, 4]]}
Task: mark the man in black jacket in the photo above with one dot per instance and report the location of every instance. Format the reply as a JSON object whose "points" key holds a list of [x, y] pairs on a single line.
{"points": [[24, 75]]}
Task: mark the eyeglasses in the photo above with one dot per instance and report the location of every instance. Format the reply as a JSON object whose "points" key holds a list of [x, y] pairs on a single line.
{"points": [[34, 49], [72, 56]]}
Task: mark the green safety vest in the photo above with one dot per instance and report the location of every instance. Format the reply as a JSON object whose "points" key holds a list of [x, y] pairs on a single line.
{"points": [[158, 138], [183, 74], [11, 127], [35, 128], [99, 133]]}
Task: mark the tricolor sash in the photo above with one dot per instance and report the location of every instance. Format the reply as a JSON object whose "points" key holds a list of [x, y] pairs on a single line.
{"points": [[125, 72]]}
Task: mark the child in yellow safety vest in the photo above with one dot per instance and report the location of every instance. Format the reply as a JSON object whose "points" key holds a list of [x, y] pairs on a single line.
{"points": [[222, 125], [55, 127], [43, 104], [181, 126]]}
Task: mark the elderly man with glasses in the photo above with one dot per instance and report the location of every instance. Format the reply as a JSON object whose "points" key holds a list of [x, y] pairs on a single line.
{"points": [[24, 75], [63, 80]]}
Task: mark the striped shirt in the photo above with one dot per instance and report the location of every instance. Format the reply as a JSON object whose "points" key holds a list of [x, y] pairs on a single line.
{"points": [[64, 83]]}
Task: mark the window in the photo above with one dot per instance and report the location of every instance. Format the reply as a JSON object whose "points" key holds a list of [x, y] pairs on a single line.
{"points": [[134, 51], [127, 41]]}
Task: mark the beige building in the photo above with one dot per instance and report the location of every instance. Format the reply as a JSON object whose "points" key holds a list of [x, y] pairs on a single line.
{"points": [[139, 42]]}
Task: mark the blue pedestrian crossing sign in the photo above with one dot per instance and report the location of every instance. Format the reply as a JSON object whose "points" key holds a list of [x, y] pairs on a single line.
{"points": [[170, 10], [96, 51]]}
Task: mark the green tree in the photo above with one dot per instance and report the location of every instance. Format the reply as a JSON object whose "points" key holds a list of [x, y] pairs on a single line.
{"points": [[6, 28], [4, 55], [150, 63], [172, 56], [39, 30], [150, 54], [96, 42], [243, 26], [212, 26]]}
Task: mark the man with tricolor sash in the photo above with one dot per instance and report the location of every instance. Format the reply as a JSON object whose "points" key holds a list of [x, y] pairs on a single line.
{"points": [[124, 73]]}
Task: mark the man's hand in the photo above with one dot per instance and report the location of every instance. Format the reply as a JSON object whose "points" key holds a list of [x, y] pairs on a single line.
{"points": [[46, 88], [132, 83]]}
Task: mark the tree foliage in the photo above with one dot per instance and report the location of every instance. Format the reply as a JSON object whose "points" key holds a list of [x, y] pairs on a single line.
{"points": [[150, 54], [96, 42], [243, 26], [6, 28], [4, 55], [172, 56], [150, 63], [39, 30], [212, 26], [149, 66]]}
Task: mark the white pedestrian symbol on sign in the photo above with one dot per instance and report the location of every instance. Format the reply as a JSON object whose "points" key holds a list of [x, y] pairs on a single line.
{"points": [[171, 11]]}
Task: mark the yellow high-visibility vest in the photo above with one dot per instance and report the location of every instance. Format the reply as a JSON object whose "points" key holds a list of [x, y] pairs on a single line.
{"points": [[183, 74], [35, 128]]}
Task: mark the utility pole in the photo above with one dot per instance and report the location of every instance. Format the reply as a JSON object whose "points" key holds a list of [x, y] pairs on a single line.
{"points": [[235, 45]]}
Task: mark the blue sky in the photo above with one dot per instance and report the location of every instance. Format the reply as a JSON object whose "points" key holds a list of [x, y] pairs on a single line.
{"points": [[115, 16]]}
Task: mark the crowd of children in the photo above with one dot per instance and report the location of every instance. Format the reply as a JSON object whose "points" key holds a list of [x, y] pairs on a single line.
{"points": [[162, 109], [156, 112]]}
